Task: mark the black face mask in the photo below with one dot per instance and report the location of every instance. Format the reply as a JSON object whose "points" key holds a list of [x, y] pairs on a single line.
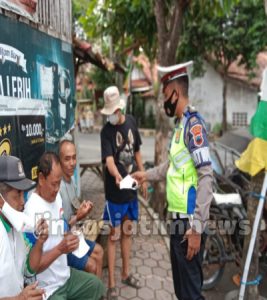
{"points": [[170, 107]]}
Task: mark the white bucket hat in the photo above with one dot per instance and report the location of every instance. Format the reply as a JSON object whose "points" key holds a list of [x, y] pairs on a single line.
{"points": [[112, 100]]}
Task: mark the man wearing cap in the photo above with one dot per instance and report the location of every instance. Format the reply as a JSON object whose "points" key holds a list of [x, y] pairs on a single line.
{"points": [[16, 258], [120, 147], [188, 174]]}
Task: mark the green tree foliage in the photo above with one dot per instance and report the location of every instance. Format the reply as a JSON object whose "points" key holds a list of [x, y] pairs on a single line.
{"points": [[126, 22], [238, 35], [101, 78], [221, 38], [79, 8]]}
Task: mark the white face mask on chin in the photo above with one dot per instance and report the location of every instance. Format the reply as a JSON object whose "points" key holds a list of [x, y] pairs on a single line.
{"points": [[114, 119], [20, 221]]}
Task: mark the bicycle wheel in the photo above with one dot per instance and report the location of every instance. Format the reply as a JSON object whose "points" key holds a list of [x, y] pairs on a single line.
{"points": [[213, 263]]}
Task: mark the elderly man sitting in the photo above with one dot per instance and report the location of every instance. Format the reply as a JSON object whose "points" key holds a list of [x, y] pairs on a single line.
{"points": [[56, 277]]}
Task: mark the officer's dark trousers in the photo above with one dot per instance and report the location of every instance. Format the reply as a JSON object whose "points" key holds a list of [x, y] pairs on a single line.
{"points": [[187, 275]]}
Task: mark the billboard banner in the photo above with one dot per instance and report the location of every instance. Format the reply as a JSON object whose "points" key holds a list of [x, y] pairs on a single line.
{"points": [[31, 137], [36, 91], [24, 137], [8, 133], [26, 8]]}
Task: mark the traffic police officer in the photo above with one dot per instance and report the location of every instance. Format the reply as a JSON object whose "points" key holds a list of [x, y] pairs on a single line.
{"points": [[188, 174]]}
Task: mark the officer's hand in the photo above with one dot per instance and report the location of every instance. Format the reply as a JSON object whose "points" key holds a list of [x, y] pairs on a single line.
{"points": [[194, 240], [144, 190], [140, 176], [31, 292]]}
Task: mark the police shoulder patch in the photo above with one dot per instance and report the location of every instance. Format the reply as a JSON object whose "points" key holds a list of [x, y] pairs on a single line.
{"points": [[197, 133]]}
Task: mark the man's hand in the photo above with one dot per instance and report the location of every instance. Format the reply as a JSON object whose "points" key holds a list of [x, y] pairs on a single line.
{"points": [[68, 244], [42, 231], [194, 239], [31, 292], [84, 210], [140, 176], [118, 179], [113, 170]]}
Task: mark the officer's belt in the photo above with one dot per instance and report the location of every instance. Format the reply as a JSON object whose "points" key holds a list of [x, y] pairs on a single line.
{"points": [[176, 215]]}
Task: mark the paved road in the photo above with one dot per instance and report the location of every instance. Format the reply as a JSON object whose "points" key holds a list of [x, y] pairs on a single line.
{"points": [[89, 147]]}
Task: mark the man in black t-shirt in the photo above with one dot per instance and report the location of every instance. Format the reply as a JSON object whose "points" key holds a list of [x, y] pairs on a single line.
{"points": [[120, 146]]}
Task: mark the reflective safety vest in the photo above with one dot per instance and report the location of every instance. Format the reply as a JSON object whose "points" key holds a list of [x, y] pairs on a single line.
{"points": [[182, 175]]}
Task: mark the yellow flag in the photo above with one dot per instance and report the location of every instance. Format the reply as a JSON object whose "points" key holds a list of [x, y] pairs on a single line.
{"points": [[254, 158]]}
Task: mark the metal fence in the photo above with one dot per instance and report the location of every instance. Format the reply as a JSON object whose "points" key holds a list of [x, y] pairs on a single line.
{"points": [[55, 18]]}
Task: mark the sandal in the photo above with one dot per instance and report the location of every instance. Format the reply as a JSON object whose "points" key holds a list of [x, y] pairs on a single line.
{"points": [[112, 294], [132, 281]]}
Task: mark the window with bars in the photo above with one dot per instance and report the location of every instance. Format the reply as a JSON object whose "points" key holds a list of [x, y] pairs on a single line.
{"points": [[56, 15], [240, 119], [52, 16]]}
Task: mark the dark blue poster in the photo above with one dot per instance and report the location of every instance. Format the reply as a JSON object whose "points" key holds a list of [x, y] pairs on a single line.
{"points": [[36, 79], [34, 65]]}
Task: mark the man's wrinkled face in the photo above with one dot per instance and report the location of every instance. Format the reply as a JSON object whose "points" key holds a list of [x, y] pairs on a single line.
{"points": [[15, 199], [50, 185], [68, 159]]}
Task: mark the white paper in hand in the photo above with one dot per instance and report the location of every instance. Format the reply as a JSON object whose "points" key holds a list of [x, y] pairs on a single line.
{"points": [[83, 246], [128, 182]]}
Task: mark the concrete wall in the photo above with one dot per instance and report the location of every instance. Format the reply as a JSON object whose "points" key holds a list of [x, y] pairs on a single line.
{"points": [[206, 94]]}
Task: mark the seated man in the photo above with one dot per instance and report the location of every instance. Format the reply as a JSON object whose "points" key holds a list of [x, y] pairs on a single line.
{"points": [[15, 258], [55, 276], [93, 260]]}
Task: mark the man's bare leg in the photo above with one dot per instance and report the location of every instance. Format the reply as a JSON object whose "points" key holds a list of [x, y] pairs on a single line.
{"points": [[97, 255], [126, 245], [114, 236]]}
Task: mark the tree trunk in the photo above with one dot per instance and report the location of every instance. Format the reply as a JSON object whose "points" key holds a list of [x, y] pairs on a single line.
{"points": [[161, 154], [224, 120], [252, 291], [265, 4], [169, 29]]}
